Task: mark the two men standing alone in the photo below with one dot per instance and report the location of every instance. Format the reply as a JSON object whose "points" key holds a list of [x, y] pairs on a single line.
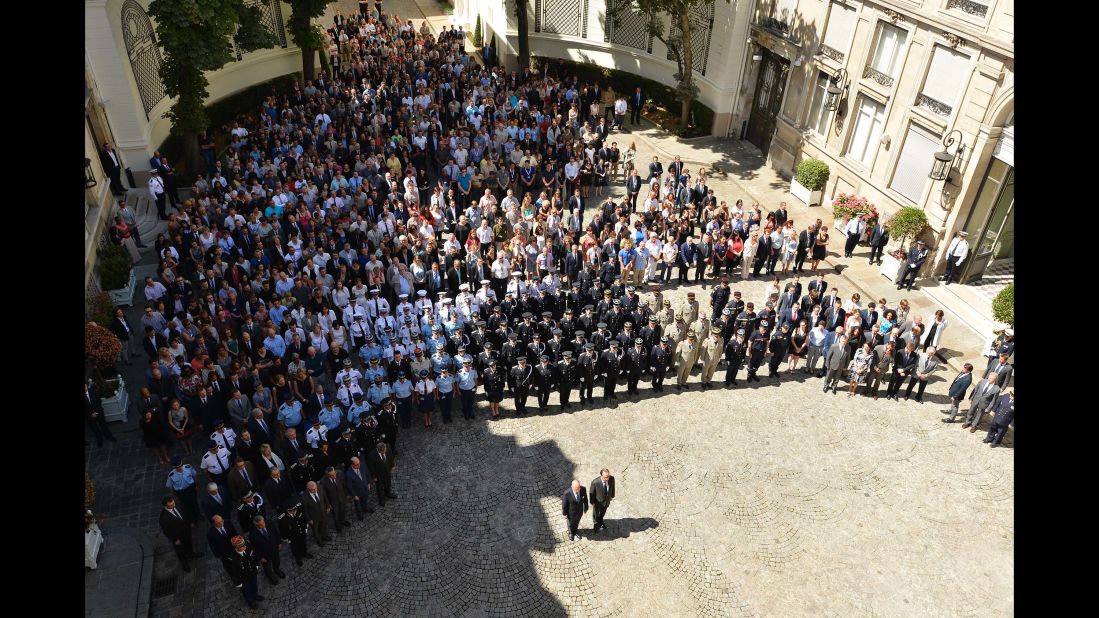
{"points": [[575, 501]]}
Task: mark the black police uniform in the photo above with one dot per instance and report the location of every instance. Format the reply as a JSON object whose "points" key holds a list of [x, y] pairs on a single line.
{"points": [[519, 379], [779, 345], [734, 356], [587, 366], [294, 528], [610, 364], [567, 373], [757, 349], [544, 382], [636, 362], [660, 359]]}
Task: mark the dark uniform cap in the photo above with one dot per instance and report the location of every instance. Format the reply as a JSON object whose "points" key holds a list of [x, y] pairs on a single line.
{"points": [[219, 424], [589, 346], [569, 310], [358, 396], [423, 373], [556, 331], [580, 333], [736, 293], [589, 307], [614, 343], [513, 335], [566, 354], [347, 362], [617, 302], [547, 314], [715, 330], [667, 303], [544, 357], [492, 361], [628, 325], [328, 398], [740, 331], [601, 325], [176, 460], [481, 323], [764, 323], [211, 444], [726, 312], [665, 339], [691, 336], [527, 314]]}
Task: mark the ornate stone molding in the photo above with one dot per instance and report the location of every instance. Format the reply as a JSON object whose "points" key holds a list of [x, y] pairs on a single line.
{"points": [[894, 16], [954, 40]]}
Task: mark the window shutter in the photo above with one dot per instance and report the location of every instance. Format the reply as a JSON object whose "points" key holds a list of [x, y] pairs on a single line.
{"points": [[945, 75], [917, 156], [890, 42], [841, 22], [864, 142]]}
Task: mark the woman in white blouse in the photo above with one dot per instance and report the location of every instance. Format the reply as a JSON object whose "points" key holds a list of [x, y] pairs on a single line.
{"points": [[749, 254]]}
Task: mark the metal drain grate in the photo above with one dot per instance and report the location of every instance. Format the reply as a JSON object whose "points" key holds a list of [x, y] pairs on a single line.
{"points": [[165, 587]]}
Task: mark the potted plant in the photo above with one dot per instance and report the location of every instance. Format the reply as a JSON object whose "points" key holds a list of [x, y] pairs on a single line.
{"points": [[846, 204], [116, 274], [1003, 306], [908, 222], [101, 349], [809, 180]]}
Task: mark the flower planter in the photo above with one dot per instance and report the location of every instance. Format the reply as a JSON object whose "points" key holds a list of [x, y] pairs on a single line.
{"points": [[890, 267], [811, 198], [93, 542], [115, 408], [124, 297]]}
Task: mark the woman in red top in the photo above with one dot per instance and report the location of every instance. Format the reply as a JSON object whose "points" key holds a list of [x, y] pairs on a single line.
{"points": [[125, 237]]}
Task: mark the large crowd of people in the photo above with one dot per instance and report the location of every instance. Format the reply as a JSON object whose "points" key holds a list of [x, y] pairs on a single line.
{"points": [[419, 232]]}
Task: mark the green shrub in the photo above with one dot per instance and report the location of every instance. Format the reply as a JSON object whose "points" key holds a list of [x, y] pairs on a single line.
{"points": [[478, 36], [909, 222], [101, 307], [114, 267], [1003, 306], [812, 174]]}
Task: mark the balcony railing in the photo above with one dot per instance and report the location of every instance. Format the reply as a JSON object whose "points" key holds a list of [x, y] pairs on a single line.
{"points": [[878, 76], [937, 107], [777, 26], [968, 6], [832, 53]]}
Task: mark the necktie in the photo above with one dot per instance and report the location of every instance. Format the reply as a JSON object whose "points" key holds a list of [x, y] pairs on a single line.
{"points": [[218, 498], [315, 498], [576, 496], [263, 531], [264, 425], [605, 488], [222, 531], [244, 473], [176, 513]]}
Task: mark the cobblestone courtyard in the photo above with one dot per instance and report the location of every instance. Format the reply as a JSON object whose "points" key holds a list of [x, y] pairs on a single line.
{"points": [[755, 501]]}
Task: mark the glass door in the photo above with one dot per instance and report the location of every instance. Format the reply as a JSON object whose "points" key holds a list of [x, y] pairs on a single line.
{"points": [[991, 224]]}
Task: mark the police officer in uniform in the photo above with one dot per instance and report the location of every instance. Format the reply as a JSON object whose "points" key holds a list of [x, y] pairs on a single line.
{"points": [[181, 480], [567, 372], [544, 381], [710, 355], [610, 365], [660, 360], [734, 356], [587, 366], [294, 526], [778, 347], [215, 461], [519, 379], [757, 349], [494, 382], [637, 360], [719, 297]]}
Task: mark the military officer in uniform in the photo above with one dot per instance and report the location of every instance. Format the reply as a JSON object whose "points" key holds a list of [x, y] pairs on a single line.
{"points": [[710, 355], [494, 382], [735, 351], [242, 565], [301, 472], [778, 347], [567, 373], [637, 360], [690, 313], [610, 364], [587, 366], [519, 379], [660, 360], [544, 381], [294, 527], [757, 350], [686, 355], [387, 425], [251, 504]]}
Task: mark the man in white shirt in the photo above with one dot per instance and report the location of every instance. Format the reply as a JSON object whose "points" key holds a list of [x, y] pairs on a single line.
{"points": [[154, 290], [955, 255], [157, 192], [619, 112]]}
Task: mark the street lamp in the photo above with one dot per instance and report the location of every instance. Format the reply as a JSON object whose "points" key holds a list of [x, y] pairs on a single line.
{"points": [[944, 160], [89, 177], [837, 90]]}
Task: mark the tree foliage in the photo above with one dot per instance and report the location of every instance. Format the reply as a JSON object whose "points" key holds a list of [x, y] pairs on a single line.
{"points": [[306, 35], [1003, 306], [677, 42]]}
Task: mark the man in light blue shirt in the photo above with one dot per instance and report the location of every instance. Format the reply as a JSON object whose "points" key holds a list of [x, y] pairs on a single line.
{"points": [[445, 384], [275, 345], [290, 415], [379, 392], [402, 388], [283, 285], [440, 359], [276, 311], [357, 409], [331, 415], [467, 384]]}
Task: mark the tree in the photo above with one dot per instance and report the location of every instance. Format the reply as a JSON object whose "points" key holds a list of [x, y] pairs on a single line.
{"points": [[679, 43], [305, 34], [195, 36], [523, 28]]}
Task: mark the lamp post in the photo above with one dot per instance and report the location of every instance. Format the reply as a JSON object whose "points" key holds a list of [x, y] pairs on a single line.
{"points": [[837, 90], [89, 177], [944, 159]]}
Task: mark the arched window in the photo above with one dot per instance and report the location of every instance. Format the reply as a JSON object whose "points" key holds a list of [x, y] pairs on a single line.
{"points": [[144, 54]]}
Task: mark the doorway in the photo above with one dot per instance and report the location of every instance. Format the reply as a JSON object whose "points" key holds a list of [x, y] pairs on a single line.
{"points": [[770, 86], [991, 223]]}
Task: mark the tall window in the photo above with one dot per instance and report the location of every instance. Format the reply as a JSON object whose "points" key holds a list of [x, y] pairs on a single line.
{"points": [[917, 157], [868, 128], [943, 85], [837, 34], [818, 113], [885, 63]]}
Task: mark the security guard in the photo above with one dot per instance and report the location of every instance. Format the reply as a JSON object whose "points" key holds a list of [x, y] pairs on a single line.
{"points": [[357, 409], [710, 355], [778, 346], [544, 381], [686, 355], [735, 351], [215, 461], [348, 371], [402, 390], [660, 360], [636, 360], [587, 365], [567, 372], [610, 365], [467, 386], [757, 349], [301, 472], [181, 480], [366, 433], [294, 527], [519, 380], [251, 504], [290, 415], [746, 320], [511, 350]]}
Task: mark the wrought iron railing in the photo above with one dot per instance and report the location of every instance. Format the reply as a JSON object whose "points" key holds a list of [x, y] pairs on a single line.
{"points": [[968, 6], [876, 75], [937, 107]]}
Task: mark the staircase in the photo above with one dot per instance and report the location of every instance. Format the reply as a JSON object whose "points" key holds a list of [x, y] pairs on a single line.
{"points": [[148, 223]]}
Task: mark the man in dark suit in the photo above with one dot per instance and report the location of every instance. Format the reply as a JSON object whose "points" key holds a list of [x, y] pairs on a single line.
{"points": [[656, 170], [455, 277], [267, 543], [332, 484], [316, 509], [917, 255], [806, 240], [357, 483], [94, 417], [263, 431], [602, 491], [904, 362], [113, 166], [820, 286], [636, 101], [980, 400], [1003, 415], [957, 391], [278, 491], [879, 237], [379, 463], [218, 536], [215, 501], [574, 503], [122, 329], [1002, 369], [173, 523], [242, 478]]}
